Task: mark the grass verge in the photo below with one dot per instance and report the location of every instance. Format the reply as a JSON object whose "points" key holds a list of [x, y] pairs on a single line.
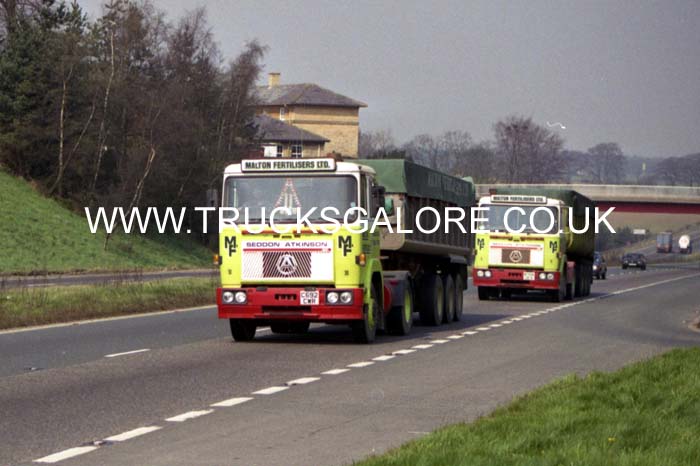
{"points": [[40, 235], [644, 414], [21, 307]]}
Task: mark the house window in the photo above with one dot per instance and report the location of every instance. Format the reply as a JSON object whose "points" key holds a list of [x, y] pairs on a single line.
{"points": [[297, 151], [280, 150], [283, 113]]}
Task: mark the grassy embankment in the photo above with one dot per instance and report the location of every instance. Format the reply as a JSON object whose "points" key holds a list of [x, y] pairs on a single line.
{"points": [[644, 414], [39, 235], [21, 307]]}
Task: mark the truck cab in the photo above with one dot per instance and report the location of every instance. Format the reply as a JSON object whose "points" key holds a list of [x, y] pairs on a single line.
{"points": [[524, 242], [287, 275]]}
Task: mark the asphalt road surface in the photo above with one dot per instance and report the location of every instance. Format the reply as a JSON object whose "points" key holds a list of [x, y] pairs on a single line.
{"points": [[174, 389]]}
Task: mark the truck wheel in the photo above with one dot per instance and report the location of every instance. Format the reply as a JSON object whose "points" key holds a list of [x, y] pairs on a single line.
{"points": [[604, 275], [484, 293], [459, 297], [578, 281], [432, 300], [558, 296], [365, 331], [242, 329], [449, 300], [569, 291], [400, 319]]}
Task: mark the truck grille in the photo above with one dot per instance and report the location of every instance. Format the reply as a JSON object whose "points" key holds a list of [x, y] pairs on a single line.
{"points": [[515, 256], [279, 260]]}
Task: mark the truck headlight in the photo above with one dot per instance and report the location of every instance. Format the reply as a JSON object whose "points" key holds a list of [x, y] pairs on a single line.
{"points": [[227, 297], [550, 276], [332, 297], [480, 273], [542, 276], [241, 297], [346, 297], [487, 274], [595, 267]]}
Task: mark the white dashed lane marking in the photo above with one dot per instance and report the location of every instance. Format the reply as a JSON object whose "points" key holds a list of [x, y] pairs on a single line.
{"points": [[65, 454], [439, 341], [404, 351], [189, 415], [335, 371], [232, 402], [270, 390], [424, 346], [132, 434], [303, 381], [384, 357], [361, 364]]}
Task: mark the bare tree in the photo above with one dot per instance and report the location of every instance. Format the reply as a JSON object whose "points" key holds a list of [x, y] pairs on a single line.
{"points": [[530, 153], [605, 163], [377, 144]]}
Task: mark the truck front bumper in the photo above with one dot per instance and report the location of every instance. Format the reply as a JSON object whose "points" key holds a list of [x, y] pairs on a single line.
{"points": [[277, 304], [515, 278]]}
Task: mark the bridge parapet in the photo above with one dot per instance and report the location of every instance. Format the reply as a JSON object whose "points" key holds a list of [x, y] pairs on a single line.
{"points": [[616, 193]]}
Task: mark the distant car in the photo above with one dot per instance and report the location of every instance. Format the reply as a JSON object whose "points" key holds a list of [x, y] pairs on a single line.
{"points": [[634, 260], [600, 267]]}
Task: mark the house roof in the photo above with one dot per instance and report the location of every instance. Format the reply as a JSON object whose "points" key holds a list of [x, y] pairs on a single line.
{"points": [[304, 94], [273, 130]]}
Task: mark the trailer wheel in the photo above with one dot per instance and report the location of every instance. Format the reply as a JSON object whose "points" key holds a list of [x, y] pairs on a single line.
{"points": [[449, 300], [365, 331], [432, 300], [459, 297], [400, 319], [242, 329]]}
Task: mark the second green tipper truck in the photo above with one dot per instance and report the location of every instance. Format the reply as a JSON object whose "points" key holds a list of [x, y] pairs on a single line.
{"points": [[367, 280], [546, 255]]}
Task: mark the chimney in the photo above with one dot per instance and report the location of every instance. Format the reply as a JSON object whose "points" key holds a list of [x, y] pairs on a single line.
{"points": [[273, 79]]}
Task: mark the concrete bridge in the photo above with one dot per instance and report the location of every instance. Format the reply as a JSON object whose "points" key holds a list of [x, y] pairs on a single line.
{"points": [[627, 198]]}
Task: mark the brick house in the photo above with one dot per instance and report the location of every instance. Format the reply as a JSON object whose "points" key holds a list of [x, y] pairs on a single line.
{"points": [[316, 110]]}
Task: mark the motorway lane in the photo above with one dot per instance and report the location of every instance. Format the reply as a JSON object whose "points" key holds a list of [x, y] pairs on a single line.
{"points": [[64, 345], [48, 411]]}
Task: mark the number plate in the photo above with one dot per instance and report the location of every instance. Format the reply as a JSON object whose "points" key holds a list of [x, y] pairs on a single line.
{"points": [[528, 275], [308, 298]]}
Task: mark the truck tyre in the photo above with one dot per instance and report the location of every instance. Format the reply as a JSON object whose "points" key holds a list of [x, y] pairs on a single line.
{"points": [[432, 300], [400, 319], [449, 300], [290, 327], [569, 291], [365, 331], [242, 329], [484, 293], [603, 275], [558, 296], [459, 297], [578, 281]]}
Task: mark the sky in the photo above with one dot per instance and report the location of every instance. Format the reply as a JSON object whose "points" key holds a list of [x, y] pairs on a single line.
{"points": [[609, 71]]}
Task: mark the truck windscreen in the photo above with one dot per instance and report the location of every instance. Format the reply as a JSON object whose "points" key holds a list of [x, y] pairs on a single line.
{"points": [[299, 194], [495, 218]]}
